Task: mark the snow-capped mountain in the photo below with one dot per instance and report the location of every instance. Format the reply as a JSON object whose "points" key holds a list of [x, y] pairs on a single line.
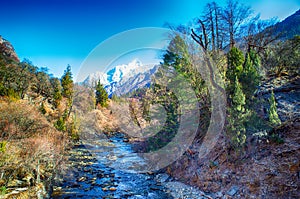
{"points": [[124, 78]]}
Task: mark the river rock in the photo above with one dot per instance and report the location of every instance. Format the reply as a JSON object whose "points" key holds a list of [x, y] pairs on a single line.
{"points": [[81, 179], [112, 188], [233, 190]]}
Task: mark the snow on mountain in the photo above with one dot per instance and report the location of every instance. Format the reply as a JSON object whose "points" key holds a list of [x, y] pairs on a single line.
{"points": [[124, 78], [93, 78]]}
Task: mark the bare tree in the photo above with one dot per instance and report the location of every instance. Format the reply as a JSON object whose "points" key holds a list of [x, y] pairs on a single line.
{"points": [[202, 38], [259, 34], [213, 21], [234, 15]]}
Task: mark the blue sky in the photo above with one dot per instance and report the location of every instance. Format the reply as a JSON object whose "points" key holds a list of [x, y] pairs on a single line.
{"points": [[54, 33]]}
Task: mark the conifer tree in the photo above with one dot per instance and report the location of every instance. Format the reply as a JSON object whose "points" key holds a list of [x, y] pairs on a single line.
{"points": [[235, 59], [273, 116], [101, 95], [249, 77], [237, 116], [67, 83], [57, 91]]}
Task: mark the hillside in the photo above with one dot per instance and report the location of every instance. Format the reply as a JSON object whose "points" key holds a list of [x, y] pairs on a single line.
{"points": [[34, 129], [289, 27]]}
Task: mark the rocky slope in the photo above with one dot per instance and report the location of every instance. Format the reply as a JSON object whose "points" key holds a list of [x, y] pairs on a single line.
{"points": [[270, 167], [8, 50]]}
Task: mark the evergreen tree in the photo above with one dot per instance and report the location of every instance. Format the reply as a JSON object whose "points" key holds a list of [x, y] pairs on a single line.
{"points": [[235, 59], [179, 58], [101, 95], [273, 116], [250, 77], [67, 84], [237, 116], [57, 88]]}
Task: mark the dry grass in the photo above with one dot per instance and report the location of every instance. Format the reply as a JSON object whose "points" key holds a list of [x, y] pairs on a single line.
{"points": [[32, 147]]}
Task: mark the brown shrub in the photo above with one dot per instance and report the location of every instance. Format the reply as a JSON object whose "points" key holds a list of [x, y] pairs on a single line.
{"points": [[32, 145]]}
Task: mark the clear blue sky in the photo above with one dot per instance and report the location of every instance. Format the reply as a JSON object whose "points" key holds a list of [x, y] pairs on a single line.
{"points": [[54, 33]]}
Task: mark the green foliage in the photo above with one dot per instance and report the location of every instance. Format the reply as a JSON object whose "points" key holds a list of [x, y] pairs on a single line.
{"points": [[3, 190], [179, 58], [73, 128], [235, 60], [67, 84], [15, 79], [60, 124], [276, 138], [249, 77], [3, 146], [238, 98], [237, 117], [177, 64], [101, 95], [42, 85], [273, 116], [57, 92], [284, 58]]}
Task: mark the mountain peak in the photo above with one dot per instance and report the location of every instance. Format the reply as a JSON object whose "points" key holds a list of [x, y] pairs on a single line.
{"points": [[135, 63], [120, 75]]}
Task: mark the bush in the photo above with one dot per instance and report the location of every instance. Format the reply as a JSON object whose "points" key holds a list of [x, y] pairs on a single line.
{"points": [[273, 116], [28, 142], [60, 124]]}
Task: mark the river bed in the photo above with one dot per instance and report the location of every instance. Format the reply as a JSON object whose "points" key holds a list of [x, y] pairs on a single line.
{"points": [[104, 168]]}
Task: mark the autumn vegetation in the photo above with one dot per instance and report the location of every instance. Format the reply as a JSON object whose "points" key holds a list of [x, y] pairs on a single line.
{"points": [[36, 124], [40, 114]]}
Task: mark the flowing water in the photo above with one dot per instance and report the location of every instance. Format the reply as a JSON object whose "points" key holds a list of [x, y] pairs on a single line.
{"points": [[101, 169]]}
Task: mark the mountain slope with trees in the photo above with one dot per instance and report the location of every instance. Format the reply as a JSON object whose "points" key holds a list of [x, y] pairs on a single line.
{"points": [[36, 125], [257, 154]]}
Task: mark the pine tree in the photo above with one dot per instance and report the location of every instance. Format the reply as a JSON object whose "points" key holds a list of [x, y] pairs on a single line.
{"points": [[57, 89], [249, 77], [273, 116], [235, 59], [101, 95], [67, 83], [237, 116], [238, 98]]}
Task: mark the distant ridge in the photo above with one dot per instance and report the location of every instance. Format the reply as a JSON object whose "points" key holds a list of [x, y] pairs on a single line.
{"points": [[289, 27]]}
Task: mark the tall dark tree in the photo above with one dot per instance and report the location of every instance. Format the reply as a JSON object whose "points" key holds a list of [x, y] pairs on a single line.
{"points": [[235, 61], [57, 91], [250, 77], [67, 83], [101, 95], [237, 116]]}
